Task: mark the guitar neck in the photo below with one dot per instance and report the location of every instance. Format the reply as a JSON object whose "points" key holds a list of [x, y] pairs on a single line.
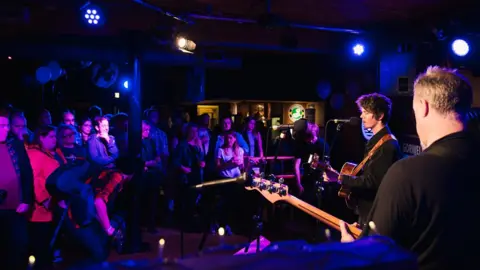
{"points": [[324, 217]]}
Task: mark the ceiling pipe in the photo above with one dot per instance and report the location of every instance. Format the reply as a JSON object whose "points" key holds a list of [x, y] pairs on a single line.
{"points": [[164, 12], [245, 21], [293, 25]]}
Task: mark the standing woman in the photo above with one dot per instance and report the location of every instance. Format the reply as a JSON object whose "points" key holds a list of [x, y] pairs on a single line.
{"points": [[45, 159], [253, 138], [188, 160]]}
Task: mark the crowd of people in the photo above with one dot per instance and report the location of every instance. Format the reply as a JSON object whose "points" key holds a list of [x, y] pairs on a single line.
{"points": [[185, 154]]}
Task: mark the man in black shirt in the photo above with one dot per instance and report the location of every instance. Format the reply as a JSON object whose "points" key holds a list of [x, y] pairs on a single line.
{"points": [[425, 202], [307, 143], [376, 111]]}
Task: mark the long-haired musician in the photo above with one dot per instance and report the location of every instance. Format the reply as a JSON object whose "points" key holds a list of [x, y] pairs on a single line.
{"points": [[375, 113]]}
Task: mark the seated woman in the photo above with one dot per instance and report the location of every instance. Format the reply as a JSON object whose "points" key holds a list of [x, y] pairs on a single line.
{"points": [[91, 200], [107, 185]]}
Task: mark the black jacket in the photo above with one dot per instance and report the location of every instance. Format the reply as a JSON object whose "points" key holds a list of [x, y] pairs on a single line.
{"points": [[427, 203], [23, 168], [364, 187]]}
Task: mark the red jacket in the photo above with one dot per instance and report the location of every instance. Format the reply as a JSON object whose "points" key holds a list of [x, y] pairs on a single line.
{"points": [[43, 164]]}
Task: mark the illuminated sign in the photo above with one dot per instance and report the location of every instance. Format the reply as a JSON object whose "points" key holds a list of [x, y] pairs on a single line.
{"points": [[410, 145], [411, 149], [296, 112]]}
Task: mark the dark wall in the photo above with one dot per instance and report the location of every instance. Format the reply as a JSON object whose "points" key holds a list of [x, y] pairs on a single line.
{"points": [[271, 77]]}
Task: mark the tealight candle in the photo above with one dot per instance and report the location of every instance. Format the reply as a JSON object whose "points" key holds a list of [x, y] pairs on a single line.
{"points": [[31, 261], [161, 245], [328, 234], [221, 233]]}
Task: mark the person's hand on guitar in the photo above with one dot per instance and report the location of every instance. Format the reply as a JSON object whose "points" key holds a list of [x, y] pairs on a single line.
{"points": [[346, 236], [330, 175]]}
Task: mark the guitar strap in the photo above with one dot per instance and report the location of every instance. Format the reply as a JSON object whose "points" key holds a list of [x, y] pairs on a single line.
{"points": [[383, 140]]}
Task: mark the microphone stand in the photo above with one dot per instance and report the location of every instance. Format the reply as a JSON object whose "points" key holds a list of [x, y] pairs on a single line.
{"points": [[326, 154], [326, 159]]}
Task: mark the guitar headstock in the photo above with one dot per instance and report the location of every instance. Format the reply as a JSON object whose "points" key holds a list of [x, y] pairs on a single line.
{"points": [[272, 189]]}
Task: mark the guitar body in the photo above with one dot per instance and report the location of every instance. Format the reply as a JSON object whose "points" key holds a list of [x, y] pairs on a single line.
{"points": [[348, 169]]}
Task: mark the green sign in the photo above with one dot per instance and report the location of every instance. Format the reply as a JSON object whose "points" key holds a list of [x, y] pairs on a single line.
{"points": [[296, 112]]}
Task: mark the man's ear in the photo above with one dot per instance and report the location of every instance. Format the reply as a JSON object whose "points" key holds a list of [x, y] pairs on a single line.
{"points": [[425, 107], [380, 117]]}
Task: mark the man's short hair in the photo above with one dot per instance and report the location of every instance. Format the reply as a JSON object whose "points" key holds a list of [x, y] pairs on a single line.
{"points": [[446, 90], [377, 104]]}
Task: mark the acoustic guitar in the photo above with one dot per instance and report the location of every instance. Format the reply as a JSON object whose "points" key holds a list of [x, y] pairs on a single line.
{"points": [[352, 169], [274, 192], [348, 169]]}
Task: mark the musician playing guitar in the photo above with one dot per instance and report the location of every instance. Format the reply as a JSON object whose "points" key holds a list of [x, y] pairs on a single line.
{"points": [[381, 151], [307, 143]]}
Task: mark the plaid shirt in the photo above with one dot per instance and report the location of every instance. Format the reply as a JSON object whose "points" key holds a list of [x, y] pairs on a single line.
{"points": [[160, 139]]}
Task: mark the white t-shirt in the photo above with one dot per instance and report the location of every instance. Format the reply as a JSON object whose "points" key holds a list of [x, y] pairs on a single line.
{"points": [[226, 156]]}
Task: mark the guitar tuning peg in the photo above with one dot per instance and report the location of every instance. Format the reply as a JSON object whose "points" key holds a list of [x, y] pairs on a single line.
{"points": [[281, 181]]}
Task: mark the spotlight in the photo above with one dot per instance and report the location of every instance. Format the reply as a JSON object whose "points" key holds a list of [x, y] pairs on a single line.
{"points": [[185, 45], [460, 47], [358, 49], [125, 84], [92, 15], [116, 95]]}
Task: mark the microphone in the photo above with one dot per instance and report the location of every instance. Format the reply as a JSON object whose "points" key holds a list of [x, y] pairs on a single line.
{"points": [[238, 180], [352, 121], [283, 126]]}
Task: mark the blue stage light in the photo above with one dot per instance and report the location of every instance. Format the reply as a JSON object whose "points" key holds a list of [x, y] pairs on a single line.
{"points": [[358, 49], [92, 15], [460, 47]]}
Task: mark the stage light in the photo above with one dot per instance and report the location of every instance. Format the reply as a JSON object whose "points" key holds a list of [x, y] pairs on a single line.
{"points": [[125, 84], [185, 45], [358, 49], [117, 95], [92, 15], [460, 47]]}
